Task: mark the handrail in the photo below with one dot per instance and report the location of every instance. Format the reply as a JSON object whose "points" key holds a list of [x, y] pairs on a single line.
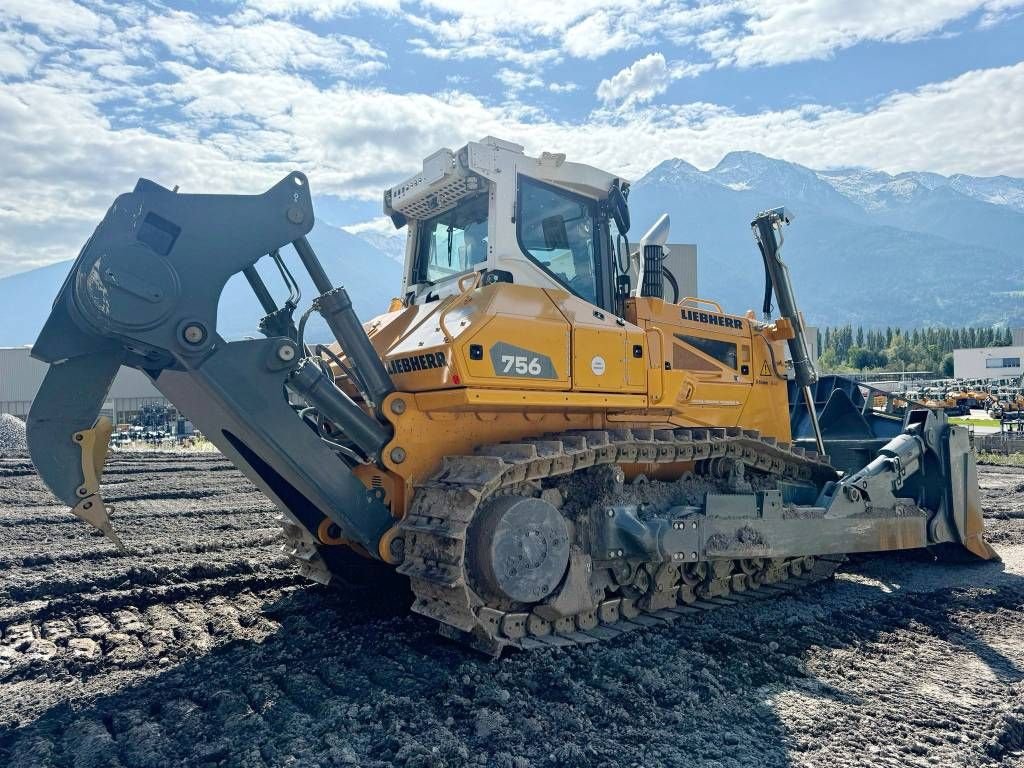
{"points": [[661, 342], [694, 299], [465, 289]]}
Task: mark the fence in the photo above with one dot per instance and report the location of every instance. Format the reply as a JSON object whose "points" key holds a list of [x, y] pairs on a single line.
{"points": [[1000, 442]]}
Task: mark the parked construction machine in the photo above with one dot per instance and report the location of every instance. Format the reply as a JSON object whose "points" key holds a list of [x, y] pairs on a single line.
{"points": [[548, 450]]}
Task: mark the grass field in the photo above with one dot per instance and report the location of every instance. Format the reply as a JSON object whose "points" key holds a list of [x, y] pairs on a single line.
{"points": [[1003, 459], [967, 421]]}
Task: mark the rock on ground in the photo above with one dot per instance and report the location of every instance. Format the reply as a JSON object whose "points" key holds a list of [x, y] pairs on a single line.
{"points": [[12, 435], [199, 646]]}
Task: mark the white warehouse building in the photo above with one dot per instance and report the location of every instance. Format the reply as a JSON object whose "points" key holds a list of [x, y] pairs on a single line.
{"points": [[21, 376], [988, 362]]}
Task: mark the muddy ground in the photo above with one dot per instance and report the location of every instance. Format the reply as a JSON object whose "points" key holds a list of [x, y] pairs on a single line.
{"points": [[200, 647]]}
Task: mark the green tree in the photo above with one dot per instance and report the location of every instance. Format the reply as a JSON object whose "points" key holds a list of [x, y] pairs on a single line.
{"points": [[946, 367], [827, 360]]}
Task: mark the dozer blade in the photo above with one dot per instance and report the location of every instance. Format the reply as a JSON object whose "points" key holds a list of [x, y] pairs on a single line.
{"points": [[921, 456], [67, 439], [964, 504]]}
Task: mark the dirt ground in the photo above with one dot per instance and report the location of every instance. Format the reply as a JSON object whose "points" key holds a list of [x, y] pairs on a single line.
{"points": [[199, 646]]}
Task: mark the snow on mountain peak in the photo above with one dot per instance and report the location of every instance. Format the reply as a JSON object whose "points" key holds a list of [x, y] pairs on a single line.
{"points": [[877, 190], [997, 190], [381, 234], [672, 171]]}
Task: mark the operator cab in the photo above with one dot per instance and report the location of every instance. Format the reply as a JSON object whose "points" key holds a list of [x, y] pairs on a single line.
{"points": [[489, 208]]}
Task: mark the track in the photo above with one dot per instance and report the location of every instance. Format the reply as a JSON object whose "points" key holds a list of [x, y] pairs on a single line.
{"points": [[208, 649], [437, 530]]}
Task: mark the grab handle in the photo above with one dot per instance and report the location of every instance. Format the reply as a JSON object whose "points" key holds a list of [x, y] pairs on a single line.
{"points": [[695, 300], [467, 284]]}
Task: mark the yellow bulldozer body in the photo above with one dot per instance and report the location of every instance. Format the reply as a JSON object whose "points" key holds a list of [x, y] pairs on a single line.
{"points": [[505, 362], [542, 434]]}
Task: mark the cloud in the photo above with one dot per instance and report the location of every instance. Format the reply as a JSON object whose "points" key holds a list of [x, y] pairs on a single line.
{"points": [[781, 31], [17, 58], [529, 33], [261, 46], [601, 32], [516, 81], [234, 103], [321, 9], [493, 48], [55, 17], [67, 161], [1000, 11], [640, 81], [743, 33], [381, 225], [644, 79]]}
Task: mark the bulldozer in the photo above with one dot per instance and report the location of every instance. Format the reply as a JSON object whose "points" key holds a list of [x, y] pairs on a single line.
{"points": [[542, 446]]}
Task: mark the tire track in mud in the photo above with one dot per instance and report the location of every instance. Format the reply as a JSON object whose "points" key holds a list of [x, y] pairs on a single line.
{"points": [[198, 537], [896, 662]]}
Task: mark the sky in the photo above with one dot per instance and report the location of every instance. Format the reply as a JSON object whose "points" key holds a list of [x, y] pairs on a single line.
{"points": [[230, 95]]}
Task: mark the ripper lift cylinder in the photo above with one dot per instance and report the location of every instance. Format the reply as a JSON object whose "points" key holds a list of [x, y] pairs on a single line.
{"points": [[335, 306], [317, 389]]}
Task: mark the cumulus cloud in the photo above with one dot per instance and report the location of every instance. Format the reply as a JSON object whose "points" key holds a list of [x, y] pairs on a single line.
{"points": [[382, 225], [644, 79], [516, 81], [321, 9], [16, 57], [600, 32], [782, 31], [743, 33], [640, 81], [67, 161], [172, 96], [261, 46], [56, 17]]}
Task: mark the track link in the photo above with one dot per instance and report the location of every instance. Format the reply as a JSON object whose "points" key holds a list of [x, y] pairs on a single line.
{"points": [[443, 508]]}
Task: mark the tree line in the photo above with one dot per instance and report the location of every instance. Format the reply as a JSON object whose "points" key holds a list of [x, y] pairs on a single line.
{"points": [[848, 348]]}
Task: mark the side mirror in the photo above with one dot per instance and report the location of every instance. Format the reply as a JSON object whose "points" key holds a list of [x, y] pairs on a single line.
{"points": [[618, 208]]}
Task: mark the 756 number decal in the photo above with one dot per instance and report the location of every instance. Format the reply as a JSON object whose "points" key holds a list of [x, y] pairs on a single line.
{"points": [[510, 360], [521, 365]]}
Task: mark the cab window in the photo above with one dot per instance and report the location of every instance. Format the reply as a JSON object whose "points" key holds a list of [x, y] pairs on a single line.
{"points": [[556, 229], [452, 242]]}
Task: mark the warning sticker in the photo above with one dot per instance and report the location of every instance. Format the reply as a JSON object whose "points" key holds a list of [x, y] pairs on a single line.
{"points": [[765, 370]]}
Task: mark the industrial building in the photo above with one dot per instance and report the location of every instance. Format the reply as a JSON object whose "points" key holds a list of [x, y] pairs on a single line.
{"points": [[988, 362], [21, 375], [681, 260]]}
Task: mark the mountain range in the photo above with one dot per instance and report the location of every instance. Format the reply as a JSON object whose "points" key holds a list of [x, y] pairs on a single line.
{"points": [[371, 277], [865, 247]]}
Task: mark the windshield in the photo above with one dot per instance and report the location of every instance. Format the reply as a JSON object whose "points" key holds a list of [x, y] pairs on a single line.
{"points": [[556, 230], [452, 242]]}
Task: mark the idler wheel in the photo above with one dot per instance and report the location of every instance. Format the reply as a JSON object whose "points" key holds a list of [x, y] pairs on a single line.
{"points": [[519, 548]]}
